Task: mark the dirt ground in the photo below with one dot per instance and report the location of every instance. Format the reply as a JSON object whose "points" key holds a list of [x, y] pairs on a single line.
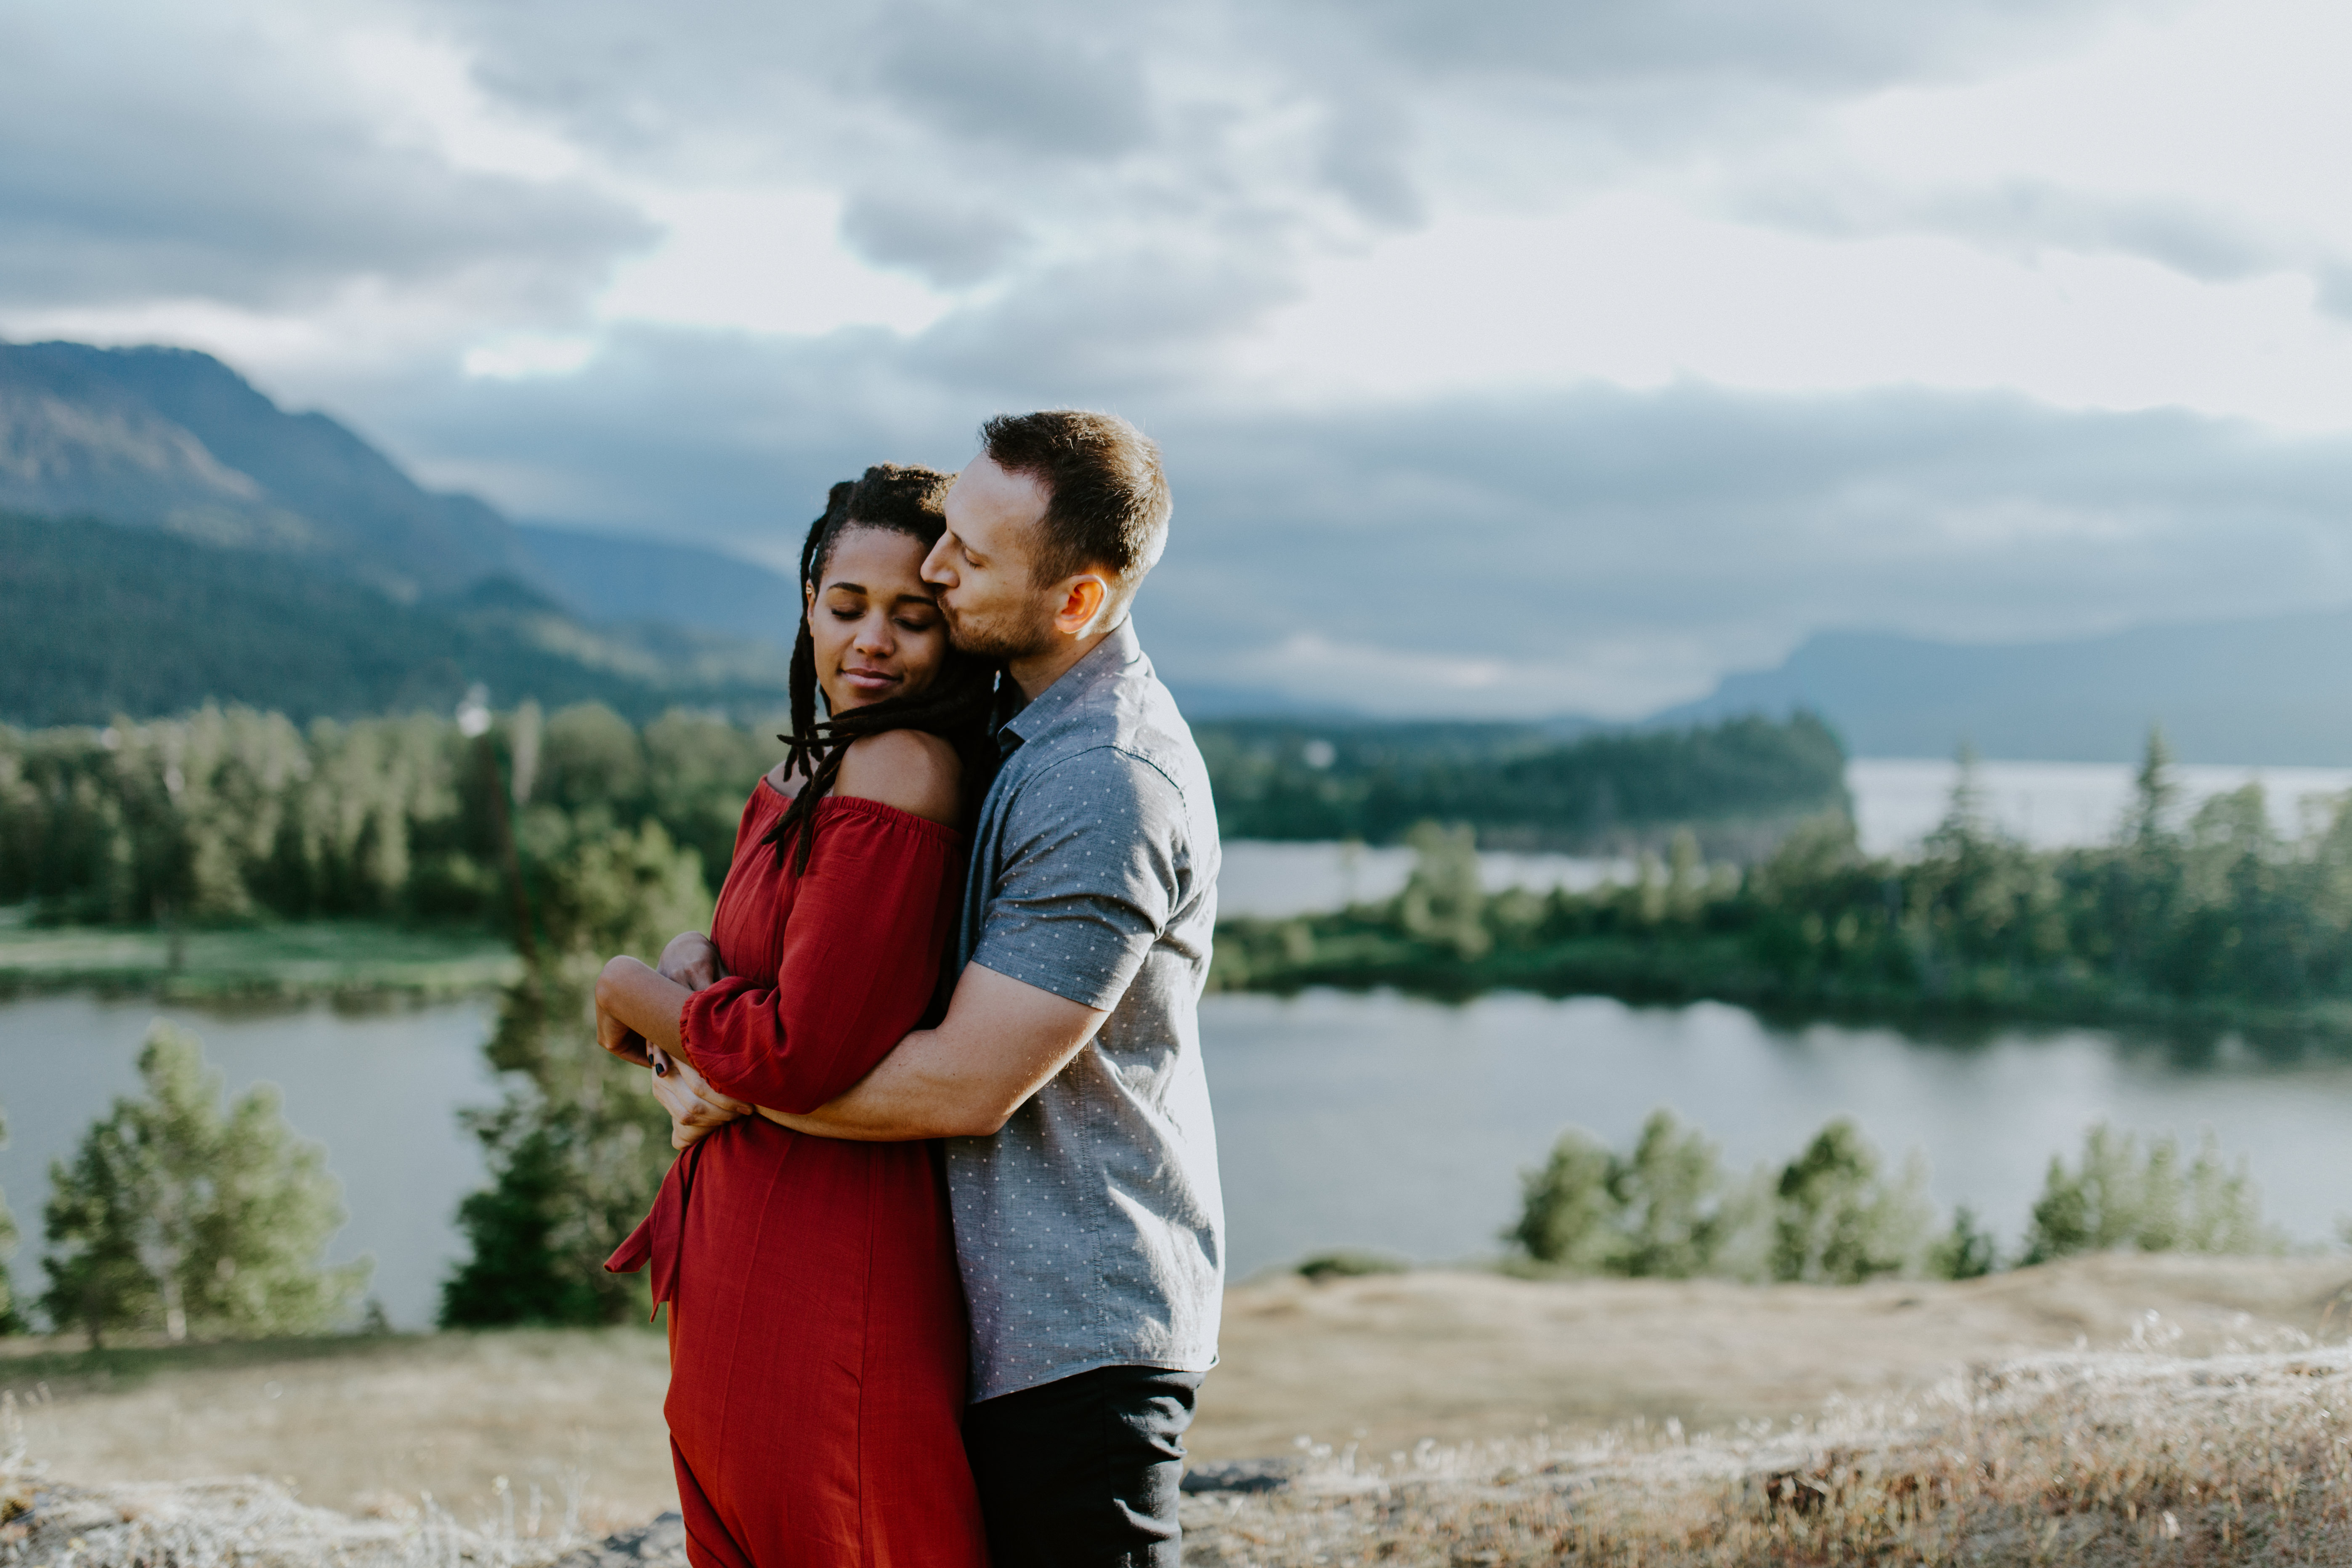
{"points": [[1383, 1361]]}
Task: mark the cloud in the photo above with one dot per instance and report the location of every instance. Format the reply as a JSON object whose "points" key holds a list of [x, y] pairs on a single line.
{"points": [[1518, 357], [1029, 88], [1592, 550], [240, 164], [940, 242], [1837, 45]]}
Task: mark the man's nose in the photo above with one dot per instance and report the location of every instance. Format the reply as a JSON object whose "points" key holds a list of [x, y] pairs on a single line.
{"points": [[934, 568]]}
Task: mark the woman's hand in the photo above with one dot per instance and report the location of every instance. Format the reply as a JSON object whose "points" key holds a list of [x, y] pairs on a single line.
{"points": [[691, 959], [636, 1011], [696, 1110], [619, 1039]]}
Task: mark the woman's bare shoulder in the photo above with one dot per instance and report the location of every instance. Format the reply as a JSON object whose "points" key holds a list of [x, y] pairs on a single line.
{"points": [[918, 773]]}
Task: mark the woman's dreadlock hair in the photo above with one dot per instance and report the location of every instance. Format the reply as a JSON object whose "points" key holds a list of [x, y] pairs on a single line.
{"points": [[956, 707]]}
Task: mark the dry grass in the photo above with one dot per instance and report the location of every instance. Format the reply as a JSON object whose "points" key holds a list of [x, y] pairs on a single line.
{"points": [[1466, 1419], [382, 1425], [2124, 1457], [1388, 1361]]}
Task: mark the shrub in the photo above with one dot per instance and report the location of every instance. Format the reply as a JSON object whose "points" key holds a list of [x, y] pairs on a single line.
{"points": [[1350, 1263], [2116, 1198]]}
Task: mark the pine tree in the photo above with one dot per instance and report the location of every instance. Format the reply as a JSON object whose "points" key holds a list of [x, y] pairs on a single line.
{"points": [[12, 1322], [1839, 1220], [170, 1216], [577, 1150]]}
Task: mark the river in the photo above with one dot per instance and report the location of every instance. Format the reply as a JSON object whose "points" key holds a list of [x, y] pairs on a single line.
{"points": [[1343, 1120], [1355, 1120]]}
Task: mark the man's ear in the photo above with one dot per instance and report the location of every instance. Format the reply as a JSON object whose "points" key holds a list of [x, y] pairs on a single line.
{"points": [[1084, 597]]}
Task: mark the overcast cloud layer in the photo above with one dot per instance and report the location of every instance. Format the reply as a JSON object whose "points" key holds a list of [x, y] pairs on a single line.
{"points": [[1522, 359]]}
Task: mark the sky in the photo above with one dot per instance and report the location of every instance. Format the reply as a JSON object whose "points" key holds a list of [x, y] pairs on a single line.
{"points": [[1516, 359]]}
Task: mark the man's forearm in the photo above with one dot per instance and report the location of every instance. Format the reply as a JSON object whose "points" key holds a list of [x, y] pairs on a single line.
{"points": [[1002, 1041], [903, 1099]]}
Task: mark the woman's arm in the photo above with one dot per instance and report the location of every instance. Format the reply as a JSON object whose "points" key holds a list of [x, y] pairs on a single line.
{"points": [[636, 1011], [871, 911]]}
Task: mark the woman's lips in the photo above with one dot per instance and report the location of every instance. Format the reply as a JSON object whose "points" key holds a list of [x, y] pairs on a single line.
{"points": [[869, 679]]}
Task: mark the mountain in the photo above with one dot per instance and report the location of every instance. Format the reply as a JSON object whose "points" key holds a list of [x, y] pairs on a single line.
{"points": [[2274, 690], [169, 535], [97, 621], [609, 578], [170, 438]]}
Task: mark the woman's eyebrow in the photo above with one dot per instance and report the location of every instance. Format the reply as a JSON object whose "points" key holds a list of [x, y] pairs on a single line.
{"points": [[852, 587]]}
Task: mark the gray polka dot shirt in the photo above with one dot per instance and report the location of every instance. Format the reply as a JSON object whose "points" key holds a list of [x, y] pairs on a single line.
{"points": [[1090, 1231]]}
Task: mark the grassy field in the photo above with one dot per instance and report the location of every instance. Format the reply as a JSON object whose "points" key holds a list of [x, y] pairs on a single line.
{"points": [[287, 960], [1426, 1374]]}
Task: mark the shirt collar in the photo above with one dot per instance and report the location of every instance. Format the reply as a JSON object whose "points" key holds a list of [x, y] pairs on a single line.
{"points": [[1116, 651]]}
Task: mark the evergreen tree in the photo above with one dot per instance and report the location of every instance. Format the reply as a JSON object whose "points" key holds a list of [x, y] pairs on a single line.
{"points": [[2155, 793], [170, 1216], [1566, 1208], [1668, 1198], [1659, 1211], [11, 1320], [1837, 1220], [2116, 1199], [577, 1149], [1967, 1251]]}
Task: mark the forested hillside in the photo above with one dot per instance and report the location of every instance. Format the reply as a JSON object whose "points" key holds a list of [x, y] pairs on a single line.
{"points": [[173, 439], [1744, 780], [98, 621]]}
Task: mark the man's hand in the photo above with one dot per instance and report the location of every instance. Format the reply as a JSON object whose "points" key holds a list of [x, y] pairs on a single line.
{"points": [[691, 959], [696, 1110]]}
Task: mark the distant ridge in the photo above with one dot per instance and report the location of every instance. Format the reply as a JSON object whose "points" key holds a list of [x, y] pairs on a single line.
{"points": [[611, 578], [170, 536], [170, 438], [98, 621], [2276, 691]]}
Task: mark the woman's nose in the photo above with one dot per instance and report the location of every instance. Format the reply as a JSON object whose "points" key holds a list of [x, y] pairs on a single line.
{"points": [[874, 635]]}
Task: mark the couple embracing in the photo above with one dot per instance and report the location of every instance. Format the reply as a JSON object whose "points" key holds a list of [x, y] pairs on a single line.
{"points": [[943, 1251]]}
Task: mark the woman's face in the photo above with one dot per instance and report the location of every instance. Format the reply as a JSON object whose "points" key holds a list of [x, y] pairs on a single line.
{"points": [[875, 622]]}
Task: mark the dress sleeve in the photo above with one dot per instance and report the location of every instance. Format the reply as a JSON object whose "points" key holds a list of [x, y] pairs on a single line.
{"points": [[860, 955]]}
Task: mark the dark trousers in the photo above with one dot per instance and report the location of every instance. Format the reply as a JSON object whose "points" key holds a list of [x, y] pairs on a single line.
{"points": [[1082, 1472]]}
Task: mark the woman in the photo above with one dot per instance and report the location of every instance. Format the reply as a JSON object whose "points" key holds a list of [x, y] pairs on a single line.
{"points": [[817, 1335]]}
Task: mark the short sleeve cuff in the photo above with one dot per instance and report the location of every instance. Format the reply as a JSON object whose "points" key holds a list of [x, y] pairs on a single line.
{"points": [[1099, 989]]}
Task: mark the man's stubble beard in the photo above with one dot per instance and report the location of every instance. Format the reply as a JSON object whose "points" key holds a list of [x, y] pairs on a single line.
{"points": [[1031, 636]]}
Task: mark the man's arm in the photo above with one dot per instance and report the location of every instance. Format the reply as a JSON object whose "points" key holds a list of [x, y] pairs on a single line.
{"points": [[1002, 1041]]}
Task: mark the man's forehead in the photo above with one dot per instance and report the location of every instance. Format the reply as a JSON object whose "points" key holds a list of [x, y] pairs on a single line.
{"points": [[988, 501]]}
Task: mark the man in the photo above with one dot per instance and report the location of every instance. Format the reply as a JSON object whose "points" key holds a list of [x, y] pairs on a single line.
{"points": [[1067, 1076]]}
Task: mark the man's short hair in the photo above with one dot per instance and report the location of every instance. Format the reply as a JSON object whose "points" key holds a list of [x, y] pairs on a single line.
{"points": [[1107, 499]]}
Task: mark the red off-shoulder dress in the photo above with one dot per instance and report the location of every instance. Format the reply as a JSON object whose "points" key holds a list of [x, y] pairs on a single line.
{"points": [[817, 1354]]}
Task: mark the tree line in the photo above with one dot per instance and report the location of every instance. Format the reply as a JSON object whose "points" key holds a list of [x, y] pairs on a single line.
{"points": [[232, 814], [1835, 1213], [1741, 781], [2210, 914]]}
